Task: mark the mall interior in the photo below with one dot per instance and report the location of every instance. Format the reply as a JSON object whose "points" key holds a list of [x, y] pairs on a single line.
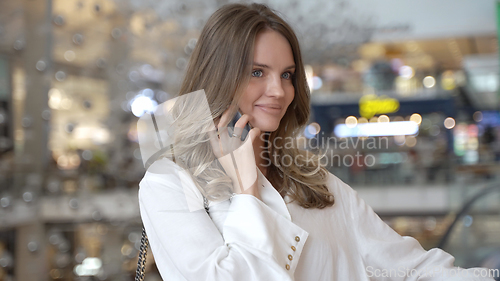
{"points": [[76, 76]]}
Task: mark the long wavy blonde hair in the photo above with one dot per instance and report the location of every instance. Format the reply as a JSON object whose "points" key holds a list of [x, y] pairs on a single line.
{"points": [[221, 64]]}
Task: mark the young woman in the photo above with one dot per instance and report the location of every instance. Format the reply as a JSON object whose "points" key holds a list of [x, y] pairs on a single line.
{"points": [[274, 212]]}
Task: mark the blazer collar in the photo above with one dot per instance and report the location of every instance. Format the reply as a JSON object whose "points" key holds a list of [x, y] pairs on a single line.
{"points": [[271, 197]]}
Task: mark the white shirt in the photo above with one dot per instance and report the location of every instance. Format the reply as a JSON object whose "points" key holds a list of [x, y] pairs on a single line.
{"points": [[245, 238]]}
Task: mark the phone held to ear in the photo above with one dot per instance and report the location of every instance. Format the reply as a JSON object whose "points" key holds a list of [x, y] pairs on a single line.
{"points": [[230, 126]]}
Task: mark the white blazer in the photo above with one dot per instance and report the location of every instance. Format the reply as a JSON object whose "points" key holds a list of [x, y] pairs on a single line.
{"points": [[245, 238]]}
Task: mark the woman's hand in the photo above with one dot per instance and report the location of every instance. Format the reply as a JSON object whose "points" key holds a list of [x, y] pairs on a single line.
{"points": [[237, 157]]}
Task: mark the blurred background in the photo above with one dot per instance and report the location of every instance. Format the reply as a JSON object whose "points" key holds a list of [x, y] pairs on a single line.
{"points": [[405, 104]]}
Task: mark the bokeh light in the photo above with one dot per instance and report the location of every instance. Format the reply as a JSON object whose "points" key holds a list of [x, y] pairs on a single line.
{"points": [[351, 121], [449, 123], [429, 82], [406, 72], [478, 116], [417, 118], [383, 119]]}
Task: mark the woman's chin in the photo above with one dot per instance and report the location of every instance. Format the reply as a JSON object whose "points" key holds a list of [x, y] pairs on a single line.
{"points": [[265, 124], [267, 127]]}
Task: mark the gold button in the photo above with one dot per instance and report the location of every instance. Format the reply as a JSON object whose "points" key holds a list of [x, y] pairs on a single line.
{"points": [[297, 238], [290, 257], [293, 248], [287, 267]]}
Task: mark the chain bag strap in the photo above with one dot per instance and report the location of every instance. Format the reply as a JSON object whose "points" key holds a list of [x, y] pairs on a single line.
{"points": [[141, 263]]}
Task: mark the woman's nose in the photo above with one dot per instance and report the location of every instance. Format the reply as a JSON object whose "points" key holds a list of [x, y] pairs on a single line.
{"points": [[275, 87]]}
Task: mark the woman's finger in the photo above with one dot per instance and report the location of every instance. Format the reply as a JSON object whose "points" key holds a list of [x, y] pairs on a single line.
{"points": [[223, 130], [215, 143], [245, 118], [237, 131], [240, 126], [224, 139], [253, 134], [229, 139], [225, 118]]}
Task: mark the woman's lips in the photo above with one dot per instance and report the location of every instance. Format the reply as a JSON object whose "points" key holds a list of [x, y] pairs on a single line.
{"points": [[271, 109]]}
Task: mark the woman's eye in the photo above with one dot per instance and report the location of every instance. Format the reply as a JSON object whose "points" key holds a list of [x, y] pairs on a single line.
{"points": [[257, 73], [286, 75]]}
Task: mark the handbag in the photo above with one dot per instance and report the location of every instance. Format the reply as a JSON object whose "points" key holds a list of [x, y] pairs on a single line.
{"points": [[143, 250]]}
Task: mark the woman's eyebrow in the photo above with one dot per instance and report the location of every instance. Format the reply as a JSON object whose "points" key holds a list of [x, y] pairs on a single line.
{"points": [[267, 66]]}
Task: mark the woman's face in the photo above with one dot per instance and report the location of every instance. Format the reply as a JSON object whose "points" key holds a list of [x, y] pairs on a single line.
{"points": [[270, 90]]}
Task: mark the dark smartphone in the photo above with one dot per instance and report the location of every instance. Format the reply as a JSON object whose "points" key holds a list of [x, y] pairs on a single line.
{"points": [[230, 126]]}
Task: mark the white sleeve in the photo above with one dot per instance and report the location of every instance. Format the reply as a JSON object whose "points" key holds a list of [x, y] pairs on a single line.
{"points": [[257, 243], [389, 256]]}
